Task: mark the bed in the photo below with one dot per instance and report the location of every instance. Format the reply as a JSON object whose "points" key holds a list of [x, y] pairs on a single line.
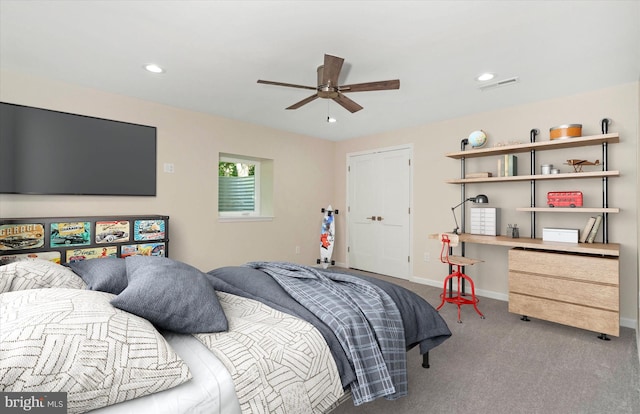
{"points": [[152, 334]]}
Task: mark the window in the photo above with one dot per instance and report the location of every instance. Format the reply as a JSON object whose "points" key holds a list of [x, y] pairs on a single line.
{"points": [[241, 185]]}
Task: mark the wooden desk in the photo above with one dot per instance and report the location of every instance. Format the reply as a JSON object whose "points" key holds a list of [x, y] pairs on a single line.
{"points": [[608, 249], [575, 284]]}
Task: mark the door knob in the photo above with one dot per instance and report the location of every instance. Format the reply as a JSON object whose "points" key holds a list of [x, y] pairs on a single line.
{"points": [[380, 218]]}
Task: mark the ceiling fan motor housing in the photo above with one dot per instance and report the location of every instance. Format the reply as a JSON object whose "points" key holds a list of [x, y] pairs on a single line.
{"points": [[325, 91]]}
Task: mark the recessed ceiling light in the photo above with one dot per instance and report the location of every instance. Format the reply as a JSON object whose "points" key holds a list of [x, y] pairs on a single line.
{"points": [[485, 77], [152, 67]]}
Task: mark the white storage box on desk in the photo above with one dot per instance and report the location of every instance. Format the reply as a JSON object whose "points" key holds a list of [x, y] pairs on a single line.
{"points": [[485, 221], [560, 235]]}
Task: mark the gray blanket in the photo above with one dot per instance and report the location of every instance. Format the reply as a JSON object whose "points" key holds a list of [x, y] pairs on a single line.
{"points": [[363, 317], [423, 326]]}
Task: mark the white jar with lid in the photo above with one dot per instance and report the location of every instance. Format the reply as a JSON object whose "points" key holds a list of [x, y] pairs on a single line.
{"points": [[546, 169]]}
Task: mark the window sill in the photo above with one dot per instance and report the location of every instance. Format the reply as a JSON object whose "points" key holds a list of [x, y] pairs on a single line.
{"points": [[231, 219]]}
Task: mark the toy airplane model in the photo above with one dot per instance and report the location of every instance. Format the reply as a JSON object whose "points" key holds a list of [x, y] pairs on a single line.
{"points": [[578, 164]]}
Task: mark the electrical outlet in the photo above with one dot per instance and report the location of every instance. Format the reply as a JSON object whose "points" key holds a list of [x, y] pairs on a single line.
{"points": [[427, 256], [169, 168]]}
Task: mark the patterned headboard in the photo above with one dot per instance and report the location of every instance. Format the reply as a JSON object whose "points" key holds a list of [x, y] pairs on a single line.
{"points": [[69, 239]]}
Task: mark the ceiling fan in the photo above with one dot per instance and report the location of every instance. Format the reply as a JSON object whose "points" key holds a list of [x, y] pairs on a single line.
{"points": [[328, 87]]}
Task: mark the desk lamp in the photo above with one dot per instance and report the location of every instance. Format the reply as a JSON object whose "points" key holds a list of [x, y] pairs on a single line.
{"points": [[479, 199]]}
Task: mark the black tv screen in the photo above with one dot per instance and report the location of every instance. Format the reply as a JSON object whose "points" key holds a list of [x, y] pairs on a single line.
{"points": [[50, 152]]}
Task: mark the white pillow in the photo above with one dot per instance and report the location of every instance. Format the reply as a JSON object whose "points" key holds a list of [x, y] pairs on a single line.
{"points": [[75, 341], [37, 274]]}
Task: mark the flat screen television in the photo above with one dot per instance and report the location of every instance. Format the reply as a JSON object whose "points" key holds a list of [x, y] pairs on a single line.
{"points": [[49, 152]]}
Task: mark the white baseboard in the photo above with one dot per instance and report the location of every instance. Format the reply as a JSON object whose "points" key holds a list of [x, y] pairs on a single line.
{"points": [[628, 323]]}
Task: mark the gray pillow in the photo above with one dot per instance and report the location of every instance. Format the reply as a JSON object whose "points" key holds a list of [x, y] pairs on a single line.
{"points": [[108, 274], [172, 295]]}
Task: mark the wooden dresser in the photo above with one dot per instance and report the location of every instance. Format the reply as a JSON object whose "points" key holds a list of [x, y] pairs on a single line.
{"points": [[578, 290]]}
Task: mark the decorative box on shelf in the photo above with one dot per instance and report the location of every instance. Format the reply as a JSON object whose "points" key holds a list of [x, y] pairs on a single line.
{"points": [[485, 221], [560, 235]]}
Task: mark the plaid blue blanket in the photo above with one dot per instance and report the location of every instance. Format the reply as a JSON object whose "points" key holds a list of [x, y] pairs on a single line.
{"points": [[363, 317]]}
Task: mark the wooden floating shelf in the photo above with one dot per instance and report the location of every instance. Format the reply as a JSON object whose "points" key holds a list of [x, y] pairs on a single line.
{"points": [[570, 209], [538, 146], [537, 177]]}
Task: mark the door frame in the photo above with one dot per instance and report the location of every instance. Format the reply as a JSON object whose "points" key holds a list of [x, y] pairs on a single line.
{"points": [[348, 203]]}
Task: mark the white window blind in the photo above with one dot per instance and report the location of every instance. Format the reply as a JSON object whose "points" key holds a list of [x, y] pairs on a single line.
{"points": [[237, 194]]}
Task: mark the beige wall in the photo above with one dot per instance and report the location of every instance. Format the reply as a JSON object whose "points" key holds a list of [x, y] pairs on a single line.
{"points": [[433, 199], [638, 234], [302, 177], [310, 173]]}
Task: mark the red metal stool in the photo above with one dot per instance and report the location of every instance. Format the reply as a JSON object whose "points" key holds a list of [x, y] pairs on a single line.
{"points": [[457, 262]]}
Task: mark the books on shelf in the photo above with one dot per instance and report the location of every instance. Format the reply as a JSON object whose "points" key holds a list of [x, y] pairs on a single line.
{"points": [[587, 229], [478, 175], [594, 229], [507, 166], [510, 165]]}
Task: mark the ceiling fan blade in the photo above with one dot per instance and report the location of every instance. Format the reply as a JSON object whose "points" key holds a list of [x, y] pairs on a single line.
{"points": [[291, 85], [371, 86], [303, 102], [347, 103], [331, 71]]}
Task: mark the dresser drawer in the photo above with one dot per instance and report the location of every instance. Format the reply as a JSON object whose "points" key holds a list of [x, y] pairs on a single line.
{"points": [[565, 290], [596, 269], [584, 317]]}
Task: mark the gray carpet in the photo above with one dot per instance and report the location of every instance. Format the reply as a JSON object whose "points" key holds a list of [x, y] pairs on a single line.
{"points": [[504, 365]]}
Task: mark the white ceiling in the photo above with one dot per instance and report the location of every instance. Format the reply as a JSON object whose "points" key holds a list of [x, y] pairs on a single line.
{"points": [[215, 51]]}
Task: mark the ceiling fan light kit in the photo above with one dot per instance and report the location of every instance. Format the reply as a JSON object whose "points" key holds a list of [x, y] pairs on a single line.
{"points": [[487, 76], [328, 87]]}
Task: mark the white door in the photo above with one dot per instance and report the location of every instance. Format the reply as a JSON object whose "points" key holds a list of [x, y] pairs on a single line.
{"points": [[379, 212]]}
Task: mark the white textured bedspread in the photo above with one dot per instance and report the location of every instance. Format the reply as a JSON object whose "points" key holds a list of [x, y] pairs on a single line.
{"points": [[278, 363], [210, 391]]}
